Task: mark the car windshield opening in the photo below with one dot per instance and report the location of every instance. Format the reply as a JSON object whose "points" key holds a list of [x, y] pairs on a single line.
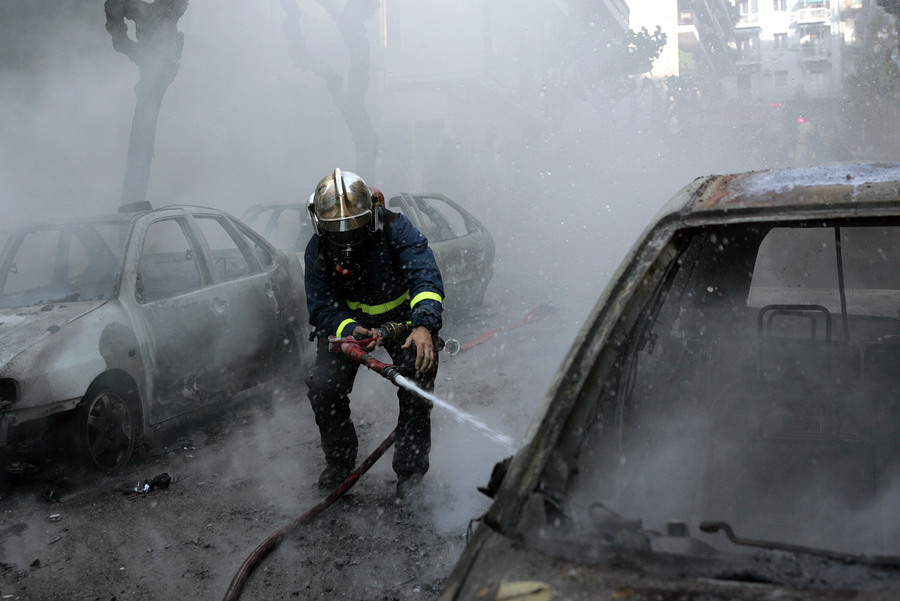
{"points": [[60, 264], [755, 383]]}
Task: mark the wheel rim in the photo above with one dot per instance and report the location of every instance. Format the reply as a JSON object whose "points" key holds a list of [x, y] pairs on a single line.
{"points": [[109, 433]]}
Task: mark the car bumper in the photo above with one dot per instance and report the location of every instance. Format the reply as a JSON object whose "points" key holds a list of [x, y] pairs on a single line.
{"points": [[13, 417]]}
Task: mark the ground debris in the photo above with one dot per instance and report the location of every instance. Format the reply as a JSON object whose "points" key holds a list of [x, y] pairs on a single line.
{"points": [[162, 480]]}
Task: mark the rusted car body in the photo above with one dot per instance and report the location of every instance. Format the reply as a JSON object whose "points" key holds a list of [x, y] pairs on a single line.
{"points": [[111, 327], [726, 424], [463, 247]]}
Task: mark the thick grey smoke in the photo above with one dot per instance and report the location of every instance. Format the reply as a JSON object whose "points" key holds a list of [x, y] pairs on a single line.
{"points": [[241, 125]]}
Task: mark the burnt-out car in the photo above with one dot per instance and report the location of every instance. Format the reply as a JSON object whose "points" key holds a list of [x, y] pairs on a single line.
{"points": [[462, 245], [726, 424], [114, 326]]}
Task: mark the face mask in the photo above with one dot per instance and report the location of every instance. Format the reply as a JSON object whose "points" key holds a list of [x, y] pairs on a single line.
{"points": [[348, 241]]}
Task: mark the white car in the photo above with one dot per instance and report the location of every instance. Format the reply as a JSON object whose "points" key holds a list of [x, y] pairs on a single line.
{"points": [[114, 326], [462, 246]]}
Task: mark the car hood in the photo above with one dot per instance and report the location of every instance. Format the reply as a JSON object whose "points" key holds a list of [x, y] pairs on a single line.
{"points": [[23, 327], [494, 566]]}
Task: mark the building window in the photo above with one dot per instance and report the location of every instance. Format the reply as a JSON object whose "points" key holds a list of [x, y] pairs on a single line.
{"points": [[816, 81], [781, 41], [780, 5], [748, 7], [781, 79], [744, 83], [748, 47]]}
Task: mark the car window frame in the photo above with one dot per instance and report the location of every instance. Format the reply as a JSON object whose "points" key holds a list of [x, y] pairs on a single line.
{"points": [[241, 241], [410, 210], [255, 237], [636, 282], [199, 254]]}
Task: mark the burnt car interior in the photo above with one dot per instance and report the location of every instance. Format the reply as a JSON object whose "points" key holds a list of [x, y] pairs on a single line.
{"points": [[167, 264], [60, 265], [753, 381], [438, 222]]}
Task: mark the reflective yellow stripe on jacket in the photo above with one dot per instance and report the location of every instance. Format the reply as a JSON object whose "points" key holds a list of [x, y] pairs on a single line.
{"points": [[424, 296], [343, 325], [386, 307], [378, 309]]}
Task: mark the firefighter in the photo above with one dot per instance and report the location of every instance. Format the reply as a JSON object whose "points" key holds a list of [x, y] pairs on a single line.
{"points": [[366, 265]]}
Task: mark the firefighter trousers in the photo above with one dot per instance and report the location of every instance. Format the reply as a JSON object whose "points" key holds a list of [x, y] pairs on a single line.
{"points": [[329, 395]]}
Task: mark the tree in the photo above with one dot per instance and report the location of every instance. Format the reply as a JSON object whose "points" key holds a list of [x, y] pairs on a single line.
{"points": [[890, 6], [611, 76], [873, 88], [348, 96], [156, 50], [876, 71]]}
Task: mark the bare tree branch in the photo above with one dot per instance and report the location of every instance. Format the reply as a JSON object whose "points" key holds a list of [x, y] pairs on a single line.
{"points": [[349, 98]]}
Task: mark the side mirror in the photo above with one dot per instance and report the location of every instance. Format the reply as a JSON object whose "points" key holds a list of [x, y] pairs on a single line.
{"points": [[497, 475]]}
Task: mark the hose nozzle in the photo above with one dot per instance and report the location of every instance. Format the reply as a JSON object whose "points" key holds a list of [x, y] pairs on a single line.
{"points": [[392, 331]]}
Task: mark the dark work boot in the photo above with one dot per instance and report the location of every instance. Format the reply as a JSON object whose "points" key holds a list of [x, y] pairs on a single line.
{"points": [[335, 474], [409, 484]]}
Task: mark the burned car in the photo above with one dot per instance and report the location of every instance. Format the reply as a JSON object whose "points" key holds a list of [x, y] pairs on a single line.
{"points": [[726, 424], [463, 247], [114, 326]]}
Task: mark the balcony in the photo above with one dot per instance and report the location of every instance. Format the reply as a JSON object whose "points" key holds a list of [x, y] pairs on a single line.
{"points": [[688, 36], [813, 14], [814, 53], [748, 59]]}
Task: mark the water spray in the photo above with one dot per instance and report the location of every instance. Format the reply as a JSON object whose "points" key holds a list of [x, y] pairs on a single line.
{"points": [[393, 332], [353, 348]]}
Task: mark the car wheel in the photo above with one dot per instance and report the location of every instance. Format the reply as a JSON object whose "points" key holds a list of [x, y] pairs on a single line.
{"points": [[107, 430]]}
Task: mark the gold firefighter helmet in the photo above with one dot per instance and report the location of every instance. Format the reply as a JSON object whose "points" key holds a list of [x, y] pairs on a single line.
{"points": [[341, 208]]}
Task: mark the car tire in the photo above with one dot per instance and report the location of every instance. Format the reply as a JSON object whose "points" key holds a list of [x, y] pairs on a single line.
{"points": [[108, 431]]}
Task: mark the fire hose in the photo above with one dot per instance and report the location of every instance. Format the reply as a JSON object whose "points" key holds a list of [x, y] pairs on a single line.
{"points": [[352, 348], [454, 347]]}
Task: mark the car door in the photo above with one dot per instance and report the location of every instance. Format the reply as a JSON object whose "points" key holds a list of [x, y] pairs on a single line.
{"points": [[184, 317], [250, 317], [462, 247]]}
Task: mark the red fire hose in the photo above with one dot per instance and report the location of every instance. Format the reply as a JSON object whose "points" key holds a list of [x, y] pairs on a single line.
{"points": [[533, 315], [268, 545], [353, 349]]}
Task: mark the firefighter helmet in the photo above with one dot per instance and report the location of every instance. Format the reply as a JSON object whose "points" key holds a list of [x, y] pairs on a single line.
{"points": [[341, 208]]}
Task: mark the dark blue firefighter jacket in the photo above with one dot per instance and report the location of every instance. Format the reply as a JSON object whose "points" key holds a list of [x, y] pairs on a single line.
{"points": [[394, 278]]}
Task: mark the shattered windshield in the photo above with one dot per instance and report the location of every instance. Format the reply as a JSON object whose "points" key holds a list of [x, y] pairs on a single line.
{"points": [[60, 264], [757, 386]]}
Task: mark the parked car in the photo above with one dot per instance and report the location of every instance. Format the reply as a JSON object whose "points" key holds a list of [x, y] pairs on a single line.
{"points": [[111, 327], [462, 246], [726, 425]]}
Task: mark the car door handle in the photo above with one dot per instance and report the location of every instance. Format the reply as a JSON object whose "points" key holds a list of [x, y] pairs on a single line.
{"points": [[219, 305]]}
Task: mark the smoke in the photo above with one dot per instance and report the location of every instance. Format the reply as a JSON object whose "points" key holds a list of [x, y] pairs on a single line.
{"points": [[242, 125], [749, 414]]}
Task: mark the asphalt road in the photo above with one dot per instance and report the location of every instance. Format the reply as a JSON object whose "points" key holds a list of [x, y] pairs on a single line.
{"points": [[70, 535]]}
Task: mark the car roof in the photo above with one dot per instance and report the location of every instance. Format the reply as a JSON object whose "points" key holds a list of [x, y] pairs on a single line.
{"points": [[837, 190], [120, 218]]}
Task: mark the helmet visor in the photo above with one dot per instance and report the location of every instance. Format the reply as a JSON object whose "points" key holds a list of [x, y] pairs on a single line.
{"points": [[348, 238]]}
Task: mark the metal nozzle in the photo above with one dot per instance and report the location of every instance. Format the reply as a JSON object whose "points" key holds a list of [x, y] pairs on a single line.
{"points": [[390, 372], [451, 346], [392, 330]]}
